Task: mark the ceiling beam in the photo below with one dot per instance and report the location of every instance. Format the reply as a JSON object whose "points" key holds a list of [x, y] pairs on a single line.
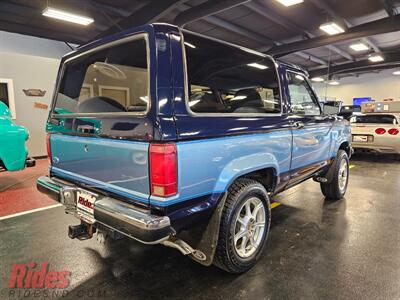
{"points": [[149, 13], [321, 4], [42, 33], [391, 60], [388, 6], [253, 35], [274, 17], [205, 9], [385, 25]]}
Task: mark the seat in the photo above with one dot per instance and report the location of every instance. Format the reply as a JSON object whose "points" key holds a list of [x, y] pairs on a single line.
{"points": [[248, 101]]}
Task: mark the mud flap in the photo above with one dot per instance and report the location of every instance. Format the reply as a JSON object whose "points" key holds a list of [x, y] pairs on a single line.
{"points": [[209, 239], [331, 171]]}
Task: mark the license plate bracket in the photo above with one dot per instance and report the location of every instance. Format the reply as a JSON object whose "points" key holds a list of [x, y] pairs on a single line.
{"points": [[360, 138], [85, 202]]}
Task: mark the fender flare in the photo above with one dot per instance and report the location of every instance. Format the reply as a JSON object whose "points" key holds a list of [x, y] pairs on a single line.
{"points": [[245, 165]]}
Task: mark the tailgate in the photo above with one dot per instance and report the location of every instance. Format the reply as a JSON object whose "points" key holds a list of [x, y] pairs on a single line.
{"points": [[116, 166]]}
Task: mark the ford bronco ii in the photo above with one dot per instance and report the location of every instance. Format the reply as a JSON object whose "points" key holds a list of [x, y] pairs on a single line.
{"points": [[170, 137]]}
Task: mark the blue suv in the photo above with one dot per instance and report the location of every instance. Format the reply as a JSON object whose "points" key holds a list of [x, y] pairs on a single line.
{"points": [[170, 137]]}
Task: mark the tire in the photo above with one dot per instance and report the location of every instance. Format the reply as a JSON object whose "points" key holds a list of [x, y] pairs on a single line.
{"points": [[336, 189], [243, 256]]}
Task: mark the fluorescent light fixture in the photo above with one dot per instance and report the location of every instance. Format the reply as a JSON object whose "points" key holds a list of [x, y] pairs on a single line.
{"points": [[299, 77], [290, 2], [359, 47], [376, 58], [317, 79], [67, 16], [331, 28], [240, 97], [193, 102], [258, 66], [334, 82], [396, 72], [190, 45]]}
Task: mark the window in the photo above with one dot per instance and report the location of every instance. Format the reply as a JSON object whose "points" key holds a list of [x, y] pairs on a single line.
{"points": [[7, 95], [226, 79], [302, 98], [374, 119], [111, 80]]}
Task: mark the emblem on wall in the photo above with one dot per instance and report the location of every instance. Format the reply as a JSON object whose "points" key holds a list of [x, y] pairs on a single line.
{"points": [[34, 92]]}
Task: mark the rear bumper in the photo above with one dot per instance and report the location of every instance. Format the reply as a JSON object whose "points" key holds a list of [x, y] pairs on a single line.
{"points": [[112, 213]]}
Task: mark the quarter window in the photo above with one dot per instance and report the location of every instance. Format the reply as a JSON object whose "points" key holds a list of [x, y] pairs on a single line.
{"points": [[226, 79], [303, 100]]}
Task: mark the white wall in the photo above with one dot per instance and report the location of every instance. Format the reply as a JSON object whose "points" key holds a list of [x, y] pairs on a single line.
{"points": [[377, 86], [31, 63]]}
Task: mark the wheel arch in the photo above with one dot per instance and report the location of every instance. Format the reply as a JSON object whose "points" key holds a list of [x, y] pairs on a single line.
{"points": [[253, 166], [345, 146]]}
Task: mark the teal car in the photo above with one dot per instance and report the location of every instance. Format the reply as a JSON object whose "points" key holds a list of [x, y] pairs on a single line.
{"points": [[13, 152]]}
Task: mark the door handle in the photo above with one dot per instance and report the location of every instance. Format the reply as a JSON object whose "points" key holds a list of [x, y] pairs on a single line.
{"points": [[298, 125]]}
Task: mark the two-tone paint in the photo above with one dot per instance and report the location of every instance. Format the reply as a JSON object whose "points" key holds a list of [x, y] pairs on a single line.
{"points": [[212, 151]]}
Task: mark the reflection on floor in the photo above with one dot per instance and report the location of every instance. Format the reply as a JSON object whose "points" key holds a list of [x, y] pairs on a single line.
{"points": [[347, 249]]}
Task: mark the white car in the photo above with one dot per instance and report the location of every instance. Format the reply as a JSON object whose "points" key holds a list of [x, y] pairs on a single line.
{"points": [[376, 132]]}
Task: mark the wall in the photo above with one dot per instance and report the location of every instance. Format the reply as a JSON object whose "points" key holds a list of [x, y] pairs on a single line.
{"points": [[31, 63], [377, 86]]}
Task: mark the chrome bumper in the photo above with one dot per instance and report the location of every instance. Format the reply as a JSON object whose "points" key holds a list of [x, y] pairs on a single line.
{"points": [[114, 214]]}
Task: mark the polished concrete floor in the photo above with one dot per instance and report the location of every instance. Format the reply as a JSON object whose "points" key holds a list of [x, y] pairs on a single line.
{"points": [[349, 249]]}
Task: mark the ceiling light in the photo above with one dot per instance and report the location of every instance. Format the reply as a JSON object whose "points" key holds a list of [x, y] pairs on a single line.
{"points": [[317, 79], [359, 47], [299, 77], [290, 2], [190, 45], [396, 72], [258, 66], [66, 16], [334, 82], [376, 58], [331, 28]]}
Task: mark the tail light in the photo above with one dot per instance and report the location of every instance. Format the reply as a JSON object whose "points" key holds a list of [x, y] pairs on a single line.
{"points": [[393, 131], [163, 170], [48, 145], [380, 130]]}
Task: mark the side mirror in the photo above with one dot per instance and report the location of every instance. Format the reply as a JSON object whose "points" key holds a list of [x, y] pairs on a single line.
{"points": [[4, 111], [332, 107]]}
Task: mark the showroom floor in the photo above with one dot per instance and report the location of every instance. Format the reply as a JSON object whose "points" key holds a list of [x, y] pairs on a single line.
{"points": [[316, 249]]}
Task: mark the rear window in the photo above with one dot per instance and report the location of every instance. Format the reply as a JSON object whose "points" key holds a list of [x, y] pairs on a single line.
{"points": [[226, 79], [374, 119], [111, 80]]}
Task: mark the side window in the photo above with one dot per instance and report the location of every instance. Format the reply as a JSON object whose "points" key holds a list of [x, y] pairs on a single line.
{"points": [[225, 79], [302, 99]]}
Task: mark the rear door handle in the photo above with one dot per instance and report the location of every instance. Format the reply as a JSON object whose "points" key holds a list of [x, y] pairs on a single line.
{"points": [[298, 125]]}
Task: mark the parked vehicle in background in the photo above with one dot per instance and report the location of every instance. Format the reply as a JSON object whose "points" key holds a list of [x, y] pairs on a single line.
{"points": [[348, 111], [376, 132], [13, 152], [183, 140]]}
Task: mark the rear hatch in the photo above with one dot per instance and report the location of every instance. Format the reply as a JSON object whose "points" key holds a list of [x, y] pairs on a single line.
{"points": [[99, 132]]}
